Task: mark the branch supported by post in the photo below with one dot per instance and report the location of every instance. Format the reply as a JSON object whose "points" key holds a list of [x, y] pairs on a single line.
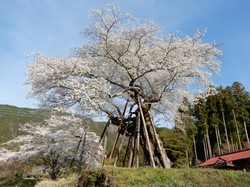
{"points": [[141, 132], [119, 128], [151, 157]]}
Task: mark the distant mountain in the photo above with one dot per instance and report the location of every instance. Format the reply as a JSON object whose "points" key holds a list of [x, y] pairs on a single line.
{"points": [[16, 111]]}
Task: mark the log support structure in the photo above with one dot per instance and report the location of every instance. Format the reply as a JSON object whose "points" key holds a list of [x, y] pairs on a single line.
{"points": [[142, 140]]}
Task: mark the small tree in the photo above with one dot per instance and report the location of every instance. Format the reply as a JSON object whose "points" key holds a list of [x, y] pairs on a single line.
{"points": [[55, 144]]}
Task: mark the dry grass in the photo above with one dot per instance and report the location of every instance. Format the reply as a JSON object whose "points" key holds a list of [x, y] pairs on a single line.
{"points": [[8, 168], [69, 181]]}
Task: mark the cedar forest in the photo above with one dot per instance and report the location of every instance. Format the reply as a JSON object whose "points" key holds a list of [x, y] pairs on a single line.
{"points": [[216, 124]]}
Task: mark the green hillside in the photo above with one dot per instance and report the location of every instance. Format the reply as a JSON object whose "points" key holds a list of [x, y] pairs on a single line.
{"points": [[11, 117]]}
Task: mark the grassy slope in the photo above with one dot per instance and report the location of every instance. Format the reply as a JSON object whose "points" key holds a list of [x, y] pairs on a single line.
{"points": [[143, 177], [124, 177]]}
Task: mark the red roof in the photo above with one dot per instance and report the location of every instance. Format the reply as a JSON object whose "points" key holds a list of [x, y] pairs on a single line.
{"points": [[227, 158]]}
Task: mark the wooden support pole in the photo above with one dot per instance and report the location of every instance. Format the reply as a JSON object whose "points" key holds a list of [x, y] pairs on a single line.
{"points": [[104, 148], [134, 146], [138, 121], [151, 158], [119, 150], [114, 144], [123, 137], [131, 152], [119, 128], [163, 156]]}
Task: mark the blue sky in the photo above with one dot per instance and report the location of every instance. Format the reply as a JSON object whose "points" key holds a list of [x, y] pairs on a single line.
{"points": [[53, 26]]}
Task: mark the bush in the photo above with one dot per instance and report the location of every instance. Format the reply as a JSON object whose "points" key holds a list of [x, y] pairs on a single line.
{"points": [[101, 177]]}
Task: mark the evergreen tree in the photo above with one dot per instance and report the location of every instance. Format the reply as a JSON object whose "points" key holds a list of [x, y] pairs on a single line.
{"points": [[225, 117], [241, 100], [178, 142]]}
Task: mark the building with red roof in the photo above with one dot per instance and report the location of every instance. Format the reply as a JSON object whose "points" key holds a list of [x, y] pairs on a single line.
{"points": [[234, 160]]}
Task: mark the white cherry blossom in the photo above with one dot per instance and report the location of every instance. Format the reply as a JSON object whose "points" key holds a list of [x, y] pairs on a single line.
{"points": [[120, 56], [56, 144]]}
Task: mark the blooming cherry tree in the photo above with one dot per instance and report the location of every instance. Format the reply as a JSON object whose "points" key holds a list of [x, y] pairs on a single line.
{"points": [[57, 144], [126, 58]]}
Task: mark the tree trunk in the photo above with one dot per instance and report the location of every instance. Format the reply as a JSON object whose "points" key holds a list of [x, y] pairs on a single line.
{"points": [[53, 176], [205, 147], [232, 143], [237, 130], [225, 128], [217, 138], [245, 127], [209, 144], [195, 151], [236, 147], [187, 158]]}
